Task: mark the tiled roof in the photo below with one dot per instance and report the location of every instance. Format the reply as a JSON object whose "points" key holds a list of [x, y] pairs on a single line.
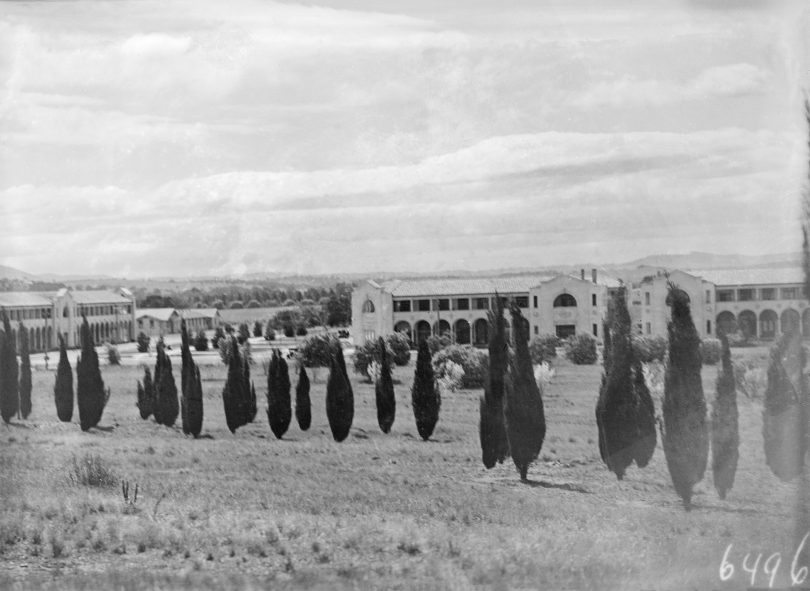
{"points": [[200, 313], [98, 297], [162, 314], [13, 299], [471, 286], [763, 276]]}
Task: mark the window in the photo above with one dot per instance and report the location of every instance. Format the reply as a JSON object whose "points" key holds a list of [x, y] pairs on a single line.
{"points": [[423, 305], [443, 304], [481, 303], [402, 306], [593, 299], [646, 298], [648, 328], [595, 330], [789, 293], [565, 300], [746, 295], [368, 307], [461, 304], [369, 335], [708, 327], [767, 293], [535, 305], [725, 295], [522, 301], [708, 296], [536, 328]]}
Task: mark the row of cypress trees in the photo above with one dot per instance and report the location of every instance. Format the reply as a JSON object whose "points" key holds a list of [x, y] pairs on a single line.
{"points": [[191, 403], [158, 396], [15, 380], [512, 416]]}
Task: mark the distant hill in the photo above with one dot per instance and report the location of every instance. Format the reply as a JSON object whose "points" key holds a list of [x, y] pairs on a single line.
{"points": [[707, 260], [16, 274]]}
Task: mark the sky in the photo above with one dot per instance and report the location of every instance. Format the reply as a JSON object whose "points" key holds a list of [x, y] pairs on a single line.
{"points": [[175, 138]]}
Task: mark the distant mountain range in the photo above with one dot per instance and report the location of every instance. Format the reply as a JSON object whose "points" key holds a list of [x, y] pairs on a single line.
{"points": [[630, 271]]}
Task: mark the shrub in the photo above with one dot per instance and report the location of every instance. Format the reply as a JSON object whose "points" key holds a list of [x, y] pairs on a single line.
{"points": [[191, 404], [543, 347], [785, 409], [339, 396], [648, 349], [143, 342], [200, 342], [367, 354], [750, 379], [301, 331], [523, 404], [580, 349], [437, 343], [710, 350], [218, 304], [90, 470], [236, 305], [255, 304], [243, 334], [289, 330], [226, 349], [625, 414], [90, 393], [167, 405], [63, 388], [686, 437], [425, 397], [269, 333], [449, 376], [279, 409], [9, 385], [113, 356], [472, 361], [146, 395], [25, 373], [543, 374], [384, 391], [303, 405], [257, 328], [725, 428], [400, 348], [316, 351], [219, 334], [492, 426]]}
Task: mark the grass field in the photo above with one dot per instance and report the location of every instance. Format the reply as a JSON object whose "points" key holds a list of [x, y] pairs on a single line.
{"points": [[247, 511]]}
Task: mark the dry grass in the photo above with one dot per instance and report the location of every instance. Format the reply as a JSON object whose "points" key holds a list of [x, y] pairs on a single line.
{"points": [[247, 511]]}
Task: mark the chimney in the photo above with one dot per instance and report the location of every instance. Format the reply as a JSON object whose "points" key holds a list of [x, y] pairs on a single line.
{"points": [[593, 275], [582, 274]]}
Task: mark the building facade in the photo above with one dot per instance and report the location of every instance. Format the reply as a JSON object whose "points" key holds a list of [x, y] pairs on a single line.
{"points": [[45, 315], [757, 303], [457, 308], [155, 322]]}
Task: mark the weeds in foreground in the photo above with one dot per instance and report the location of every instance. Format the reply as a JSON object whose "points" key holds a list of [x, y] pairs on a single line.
{"points": [[91, 470]]}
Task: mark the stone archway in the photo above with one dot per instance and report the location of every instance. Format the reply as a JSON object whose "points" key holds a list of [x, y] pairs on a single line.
{"points": [[422, 331], [767, 324], [462, 332], [747, 323], [480, 332], [726, 323], [404, 327], [790, 321], [441, 328]]}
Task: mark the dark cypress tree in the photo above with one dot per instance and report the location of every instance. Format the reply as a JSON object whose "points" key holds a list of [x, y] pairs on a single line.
{"points": [[63, 388], [686, 436], [617, 404], [384, 391], [725, 429], [25, 373], [644, 447], [252, 408], [492, 426], [233, 396], [90, 393], [248, 391], [523, 408], [191, 386], [785, 408], [279, 405], [159, 363], [425, 397], [303, 406], [9, 384], [339, 396], [167, 405], [146, 395]]}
